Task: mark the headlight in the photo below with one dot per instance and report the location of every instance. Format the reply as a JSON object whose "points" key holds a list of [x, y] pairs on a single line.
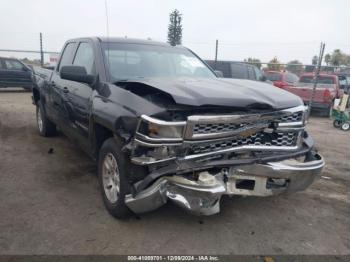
{"points": [[159, 129]]}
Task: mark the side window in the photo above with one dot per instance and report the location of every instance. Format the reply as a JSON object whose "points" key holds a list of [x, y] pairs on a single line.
{"points": [[289, 78], [85, 57], [1, 66], [13, 65], [258, 73], [342, 82], [296, 78], [239, 71], [67, 56], [224, 67], [251, 74]]}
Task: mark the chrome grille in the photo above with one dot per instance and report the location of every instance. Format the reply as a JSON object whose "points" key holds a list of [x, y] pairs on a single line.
{"points": [[295, 117], [216, 128], [212, 128], [257, 139]]}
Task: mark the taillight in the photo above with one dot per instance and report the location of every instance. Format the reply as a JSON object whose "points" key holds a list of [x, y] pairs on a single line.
{"points": [[327, 96]]}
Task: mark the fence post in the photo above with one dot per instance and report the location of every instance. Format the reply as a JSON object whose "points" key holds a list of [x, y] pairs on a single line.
{"points": [[320, 57], [41, 50]]}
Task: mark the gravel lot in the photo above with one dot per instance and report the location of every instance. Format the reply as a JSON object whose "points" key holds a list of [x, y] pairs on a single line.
{"points": [[51, 204]]}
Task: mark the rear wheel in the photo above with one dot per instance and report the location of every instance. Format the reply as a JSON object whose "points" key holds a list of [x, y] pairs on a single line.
{"points": [[337, 123], [345, 126], [45, 126], [112, 174]]}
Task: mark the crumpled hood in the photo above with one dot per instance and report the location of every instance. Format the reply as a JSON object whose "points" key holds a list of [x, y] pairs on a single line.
{"points": [[223, 92]]}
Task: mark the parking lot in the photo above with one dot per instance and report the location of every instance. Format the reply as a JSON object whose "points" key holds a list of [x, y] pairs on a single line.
{"points": [[50, 203]]}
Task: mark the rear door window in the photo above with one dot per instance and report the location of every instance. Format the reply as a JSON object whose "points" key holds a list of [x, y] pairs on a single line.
{"points": [[274, 76], [321, 80], [290, 79], [239, 71], [13, 65]]}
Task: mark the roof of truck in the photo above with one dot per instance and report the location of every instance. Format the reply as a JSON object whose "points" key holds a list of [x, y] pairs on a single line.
{"points": [[122, 40]]}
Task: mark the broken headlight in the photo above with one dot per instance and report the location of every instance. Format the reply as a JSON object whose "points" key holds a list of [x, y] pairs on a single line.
{"points": [[159, 129]]}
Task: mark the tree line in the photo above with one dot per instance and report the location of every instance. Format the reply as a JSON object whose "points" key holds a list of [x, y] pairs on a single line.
{"points": [[335, 58]]}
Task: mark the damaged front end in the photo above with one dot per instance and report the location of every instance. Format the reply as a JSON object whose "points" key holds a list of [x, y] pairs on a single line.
{"points": [[195, 161]]}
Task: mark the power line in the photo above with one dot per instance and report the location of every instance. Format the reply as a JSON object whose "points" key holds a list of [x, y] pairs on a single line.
{"points": [[27, 51], [252, 43]]}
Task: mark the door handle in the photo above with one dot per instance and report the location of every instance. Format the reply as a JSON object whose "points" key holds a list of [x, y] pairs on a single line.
{"points": [[65, 90]]}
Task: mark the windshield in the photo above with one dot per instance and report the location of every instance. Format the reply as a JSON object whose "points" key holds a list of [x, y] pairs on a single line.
{"points": [[274, 76], [130, 61], [321, 80]]}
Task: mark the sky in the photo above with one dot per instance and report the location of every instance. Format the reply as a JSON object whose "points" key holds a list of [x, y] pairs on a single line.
{"points": [[287, 29]]}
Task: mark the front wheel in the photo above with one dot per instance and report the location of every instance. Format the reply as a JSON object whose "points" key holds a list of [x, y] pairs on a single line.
{"points": [[345, 126], [45, 126], [112, 175]]}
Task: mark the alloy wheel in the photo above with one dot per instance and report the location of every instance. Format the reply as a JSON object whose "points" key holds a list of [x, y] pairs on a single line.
{"points": [[110, 178]]}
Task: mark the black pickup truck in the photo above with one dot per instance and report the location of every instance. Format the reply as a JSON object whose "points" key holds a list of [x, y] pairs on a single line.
{"points": [[162, 126]]}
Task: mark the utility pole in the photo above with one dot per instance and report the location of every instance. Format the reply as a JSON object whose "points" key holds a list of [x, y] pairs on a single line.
{"points": [[317, 74], [216, 52], [41, 50]]}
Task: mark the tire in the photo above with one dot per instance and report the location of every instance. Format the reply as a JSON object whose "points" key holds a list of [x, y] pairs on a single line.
{"points": [[345, 126], [113, 178], [337, 123], [45, 126]]}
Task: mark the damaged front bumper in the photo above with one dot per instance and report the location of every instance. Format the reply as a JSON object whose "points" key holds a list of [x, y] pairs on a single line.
{"points": [[202, 196], [207, 157]]}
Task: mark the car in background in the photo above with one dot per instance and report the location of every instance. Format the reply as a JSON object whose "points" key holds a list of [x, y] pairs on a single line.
{"points": [[238, 70], [344, 82], [328, 88], [13, 73], [282, 79]]}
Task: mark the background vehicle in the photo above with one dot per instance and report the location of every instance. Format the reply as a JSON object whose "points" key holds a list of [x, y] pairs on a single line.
{"points": [[344, 83], [341, 114], [13, 73], [328, 89], [282, 79], [237, 70], [163, 127]]}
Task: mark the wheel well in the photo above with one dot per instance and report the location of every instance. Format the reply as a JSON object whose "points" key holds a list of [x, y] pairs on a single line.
{"points": [[136, 173], [36, 95], [101, 134]]}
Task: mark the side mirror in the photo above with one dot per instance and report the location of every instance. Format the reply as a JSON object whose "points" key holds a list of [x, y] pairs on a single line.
{"points": [[27, 69], [218, 73], [263, 78], [76, 73]]}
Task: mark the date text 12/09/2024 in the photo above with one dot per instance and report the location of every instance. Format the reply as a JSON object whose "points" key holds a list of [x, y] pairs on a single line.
{"points": [[173, 258]]}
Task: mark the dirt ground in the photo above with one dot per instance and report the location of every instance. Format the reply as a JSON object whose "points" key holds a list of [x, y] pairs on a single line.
{"points": [[50, 203]]}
